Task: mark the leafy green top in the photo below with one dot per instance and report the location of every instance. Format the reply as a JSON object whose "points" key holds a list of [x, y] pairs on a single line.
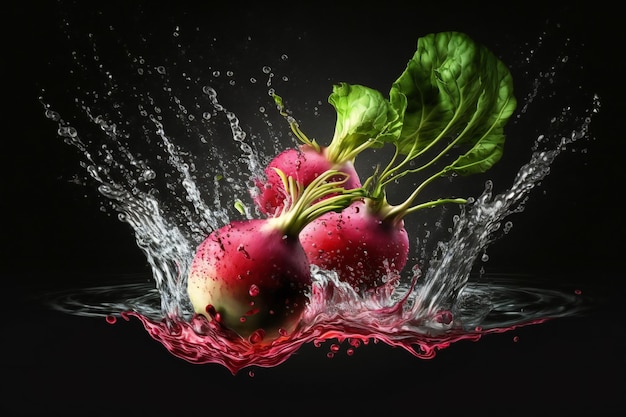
{"points": [[364, 119], [453, 95], [306, 203], [454, 98]]}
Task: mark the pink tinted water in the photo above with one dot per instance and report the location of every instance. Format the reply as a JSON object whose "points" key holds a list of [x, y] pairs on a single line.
{"points": [[203, 342]]}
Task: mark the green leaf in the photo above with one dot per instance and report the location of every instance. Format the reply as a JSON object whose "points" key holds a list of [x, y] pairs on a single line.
{"points": [[455, 90], [364, 119], [454, 99], [481, 157]]}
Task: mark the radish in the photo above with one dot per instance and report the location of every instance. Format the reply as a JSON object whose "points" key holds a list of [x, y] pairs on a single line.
{"points": [[454, 95], [304, 163], [358, 244], [253, 276], [364, 119]]}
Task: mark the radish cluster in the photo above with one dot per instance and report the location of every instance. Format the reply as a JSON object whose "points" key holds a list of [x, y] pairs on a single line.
{"points": [[254, 276]]}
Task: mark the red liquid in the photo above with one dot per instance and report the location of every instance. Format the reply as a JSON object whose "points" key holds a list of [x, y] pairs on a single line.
{"points": [[203, 342]]}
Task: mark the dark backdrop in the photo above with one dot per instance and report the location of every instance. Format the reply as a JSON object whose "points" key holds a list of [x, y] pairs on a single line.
{"points": [[54, 236]]}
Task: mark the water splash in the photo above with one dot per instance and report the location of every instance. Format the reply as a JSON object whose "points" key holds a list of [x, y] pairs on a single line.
{"points": [[477, 226], [172, 198]]}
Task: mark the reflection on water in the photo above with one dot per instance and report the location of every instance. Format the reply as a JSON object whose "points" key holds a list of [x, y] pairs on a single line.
{"points": [[496, 304]]}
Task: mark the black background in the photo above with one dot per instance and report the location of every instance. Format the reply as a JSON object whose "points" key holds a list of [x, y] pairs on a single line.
{"points": [[55, 237]]}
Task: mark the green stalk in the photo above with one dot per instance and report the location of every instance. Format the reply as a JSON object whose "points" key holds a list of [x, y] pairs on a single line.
{"points": [[293, 124], [394, 213], [337, 154], [304, 207]]}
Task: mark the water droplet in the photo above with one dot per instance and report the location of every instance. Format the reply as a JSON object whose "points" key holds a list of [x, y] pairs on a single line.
{"points": [[68, 132], [161, 69], [256, 336], [253, 290], [241, 248], [209, 91], [52, 115], [354, 342], [111, 319], [252, 312], [444, 317], [148, 175], [267, 69]]}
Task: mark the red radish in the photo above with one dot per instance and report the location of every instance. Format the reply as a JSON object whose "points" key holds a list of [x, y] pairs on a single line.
{"points": [[364, 120], [451, 105], [304, 163], [358, 244], [253, 276]]}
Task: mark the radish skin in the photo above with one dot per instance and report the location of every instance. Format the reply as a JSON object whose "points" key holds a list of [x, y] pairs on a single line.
{"points": [[304, 164], [252, 279], [357, 244], [253, 276]]}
